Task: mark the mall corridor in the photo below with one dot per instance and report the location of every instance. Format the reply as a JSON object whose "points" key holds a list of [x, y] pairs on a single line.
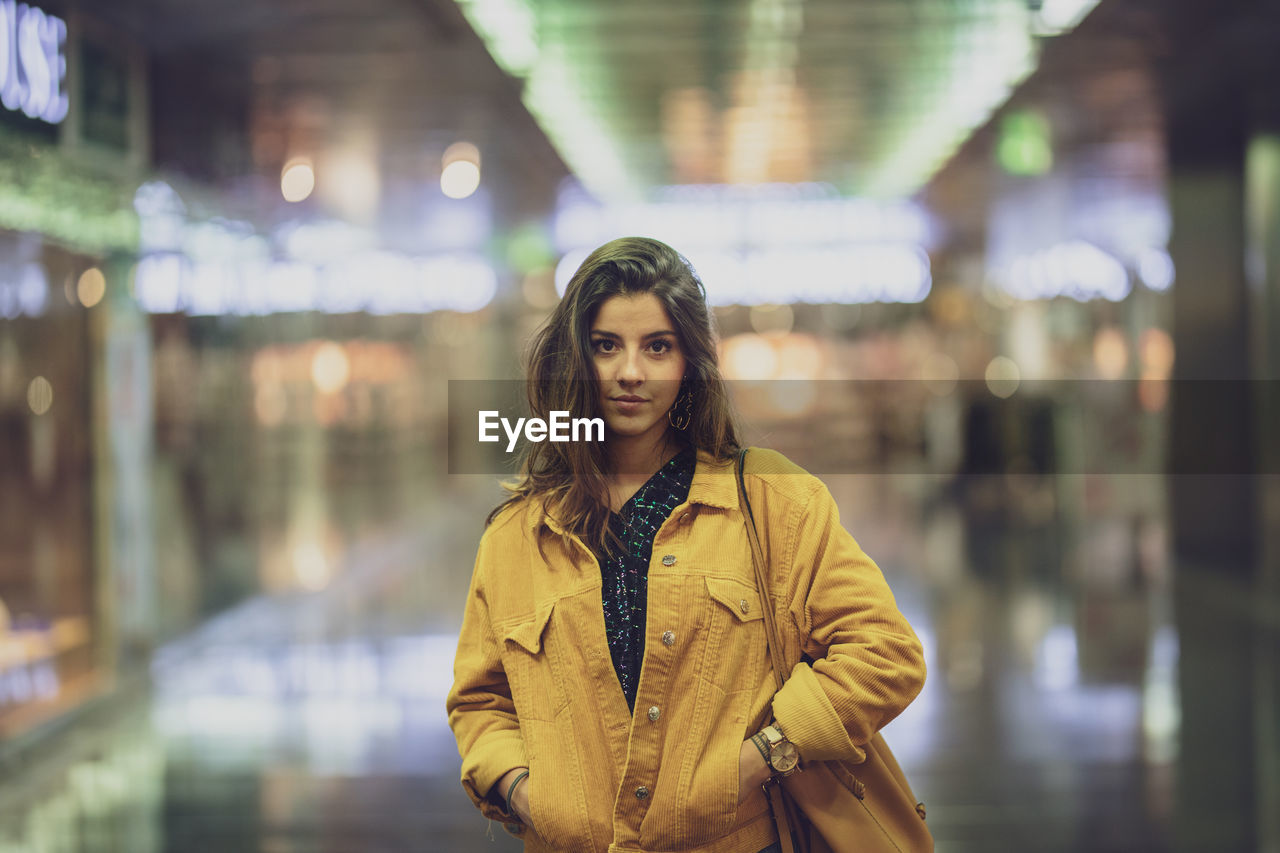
{"points": [[315, 721], [1003, 274]]}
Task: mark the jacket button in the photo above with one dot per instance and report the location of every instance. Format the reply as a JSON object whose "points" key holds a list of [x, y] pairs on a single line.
{"points": [[668, 638], [669, 560], [686, 517], [654, 713], [642, 793], [745, 605]]}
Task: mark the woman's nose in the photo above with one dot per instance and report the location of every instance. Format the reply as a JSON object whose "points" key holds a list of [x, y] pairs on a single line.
{"points": [[630, 370]]}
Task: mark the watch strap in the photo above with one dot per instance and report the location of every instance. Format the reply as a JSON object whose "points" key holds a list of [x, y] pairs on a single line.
{"points": [[762, 745]]}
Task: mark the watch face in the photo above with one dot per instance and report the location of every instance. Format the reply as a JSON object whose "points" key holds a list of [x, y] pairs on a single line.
{"points": [[784, 756]]}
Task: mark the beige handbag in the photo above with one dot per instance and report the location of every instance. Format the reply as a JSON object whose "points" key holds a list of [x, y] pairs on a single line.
{"points": [[836, 806]]}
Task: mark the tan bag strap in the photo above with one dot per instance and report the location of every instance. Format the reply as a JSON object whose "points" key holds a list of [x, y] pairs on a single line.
{"points": [[779, 806], [762, 581], [772, 788]]}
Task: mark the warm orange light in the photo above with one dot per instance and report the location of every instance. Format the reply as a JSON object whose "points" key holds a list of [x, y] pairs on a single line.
{"points": [[91, 287], [270, 404], [1110, 353], [799, 357], [1156, 348], [330, 368], [750, 357]]}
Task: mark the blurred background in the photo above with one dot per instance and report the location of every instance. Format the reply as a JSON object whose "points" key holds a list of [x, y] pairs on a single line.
{"points": [[1012, 269]]}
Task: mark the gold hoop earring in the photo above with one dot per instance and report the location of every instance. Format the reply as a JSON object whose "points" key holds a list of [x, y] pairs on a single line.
{"points": [[682, 418]]}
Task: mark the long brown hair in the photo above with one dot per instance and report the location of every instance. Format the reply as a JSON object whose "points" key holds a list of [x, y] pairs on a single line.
{"points": [[561, 376]]}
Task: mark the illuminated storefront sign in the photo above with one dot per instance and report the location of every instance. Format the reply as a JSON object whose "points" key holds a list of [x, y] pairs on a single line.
{"points": [[32, 61]]}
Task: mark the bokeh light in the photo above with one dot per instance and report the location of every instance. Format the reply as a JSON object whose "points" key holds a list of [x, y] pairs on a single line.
{"points": [[40, 395], [750, 357], [1003, 377], [1156, 349], [799, 357], [91, 287], [460, 176], [311, 565], [297, 180], [349, 183], [460, 179], [1110, 353], [330, 368]]}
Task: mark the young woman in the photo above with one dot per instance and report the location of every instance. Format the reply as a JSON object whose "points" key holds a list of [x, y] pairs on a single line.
{"points": [[612, 690]]}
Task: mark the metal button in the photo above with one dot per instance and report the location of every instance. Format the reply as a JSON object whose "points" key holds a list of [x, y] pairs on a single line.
{"points": [[668, 638], [685, 518], [654, 713], [669, 560], [642, 793], [745, 605]]}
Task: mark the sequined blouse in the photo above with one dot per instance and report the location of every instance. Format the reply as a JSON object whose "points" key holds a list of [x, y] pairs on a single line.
{"points": [[625, 574]]}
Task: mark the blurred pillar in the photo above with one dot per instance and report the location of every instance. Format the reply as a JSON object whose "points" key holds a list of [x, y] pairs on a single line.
{"points": [[1263, 207], [1213, 499], [1262, 166], [120, 360], [1213, 440]]}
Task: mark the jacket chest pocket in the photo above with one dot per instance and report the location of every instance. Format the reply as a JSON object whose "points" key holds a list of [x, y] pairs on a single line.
{"points": [[733, 624], [530, 661]]}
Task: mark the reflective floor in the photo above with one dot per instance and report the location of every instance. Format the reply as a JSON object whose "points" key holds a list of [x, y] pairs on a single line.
{"points": [[1051, 719]]}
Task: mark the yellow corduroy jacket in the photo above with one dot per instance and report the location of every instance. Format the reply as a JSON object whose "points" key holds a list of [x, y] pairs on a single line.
{"points": [[534, 684]]}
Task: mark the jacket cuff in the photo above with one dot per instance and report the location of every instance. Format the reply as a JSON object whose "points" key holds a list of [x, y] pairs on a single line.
{"points": [[486, 763], [810, 721]]}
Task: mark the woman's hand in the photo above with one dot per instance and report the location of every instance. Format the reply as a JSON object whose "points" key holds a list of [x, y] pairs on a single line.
{"points": [[752, 770], [519, 804]]}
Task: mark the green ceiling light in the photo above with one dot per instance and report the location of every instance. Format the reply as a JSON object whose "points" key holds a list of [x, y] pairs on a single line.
{"points": [[509, 31], [1056, 17], [555, 99], [553, 91], [986, 60], [1024, 147]]}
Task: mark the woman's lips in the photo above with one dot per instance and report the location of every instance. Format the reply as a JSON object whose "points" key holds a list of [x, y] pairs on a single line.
{"points": [[628, 406]]}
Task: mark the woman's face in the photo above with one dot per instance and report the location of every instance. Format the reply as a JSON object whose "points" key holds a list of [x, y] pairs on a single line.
{"points": [[637, 355]]}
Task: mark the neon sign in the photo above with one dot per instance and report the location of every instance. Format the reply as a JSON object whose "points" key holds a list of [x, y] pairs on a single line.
{"points": [[32, 62]]}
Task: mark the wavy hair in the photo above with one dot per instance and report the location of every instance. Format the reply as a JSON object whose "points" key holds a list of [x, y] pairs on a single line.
{"points": [[561, 376]]}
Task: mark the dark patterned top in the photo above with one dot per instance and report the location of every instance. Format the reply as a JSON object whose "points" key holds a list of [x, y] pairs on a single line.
{"points": [[626, 574]]}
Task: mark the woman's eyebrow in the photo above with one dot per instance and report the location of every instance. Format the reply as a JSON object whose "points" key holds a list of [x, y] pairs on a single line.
{"points": [[644, 338]]}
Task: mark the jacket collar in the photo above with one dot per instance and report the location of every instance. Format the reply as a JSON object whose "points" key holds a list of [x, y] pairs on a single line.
{"points": [[714, 484]]}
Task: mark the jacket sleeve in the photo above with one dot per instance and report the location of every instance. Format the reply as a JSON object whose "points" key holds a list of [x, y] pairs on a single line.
{"points": [[868, 663], [481, 712]]}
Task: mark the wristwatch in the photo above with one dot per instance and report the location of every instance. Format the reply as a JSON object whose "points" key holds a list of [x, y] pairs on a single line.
{"points": [[783, 756]]}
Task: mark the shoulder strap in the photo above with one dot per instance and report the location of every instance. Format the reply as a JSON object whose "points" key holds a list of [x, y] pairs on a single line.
{"points": [[762, 578]]}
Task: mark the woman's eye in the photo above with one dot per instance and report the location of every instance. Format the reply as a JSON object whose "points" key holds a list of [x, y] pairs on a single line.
{"points": [[663, 346]]}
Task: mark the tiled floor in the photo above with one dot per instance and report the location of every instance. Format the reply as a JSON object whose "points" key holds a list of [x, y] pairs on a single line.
{"points": [[1051, 719]]}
